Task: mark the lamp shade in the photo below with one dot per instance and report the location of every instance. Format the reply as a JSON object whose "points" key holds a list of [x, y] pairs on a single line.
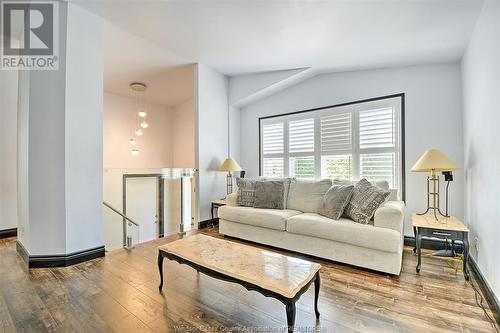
{"points": [[230, 165], [434, 160]]}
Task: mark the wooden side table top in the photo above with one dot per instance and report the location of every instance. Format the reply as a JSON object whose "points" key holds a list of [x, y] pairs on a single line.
{"points": [[443, 223], [220, 202]]}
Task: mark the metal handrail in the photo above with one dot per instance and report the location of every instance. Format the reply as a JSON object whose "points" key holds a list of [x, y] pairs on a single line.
{"points": [[120, 213]]}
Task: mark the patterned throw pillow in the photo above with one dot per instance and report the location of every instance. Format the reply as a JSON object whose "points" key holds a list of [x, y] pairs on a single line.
{"points": [[365, 200], [335, 201], [246, 192], [269, 194]]}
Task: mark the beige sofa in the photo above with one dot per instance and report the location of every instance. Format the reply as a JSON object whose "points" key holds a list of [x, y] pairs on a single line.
{"points": [[377, 246]]}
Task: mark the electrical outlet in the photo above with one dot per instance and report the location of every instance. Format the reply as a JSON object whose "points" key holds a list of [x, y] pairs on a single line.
{"points": [[475, 244]]}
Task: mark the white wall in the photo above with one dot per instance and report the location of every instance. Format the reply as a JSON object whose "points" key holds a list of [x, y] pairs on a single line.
{"points": [[433, 117], [155, 144], [481, 93], [212, 136], [8, 149]]}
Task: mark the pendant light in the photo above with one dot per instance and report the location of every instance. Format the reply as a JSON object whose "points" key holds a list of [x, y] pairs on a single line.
{"points": [[139, 90]]}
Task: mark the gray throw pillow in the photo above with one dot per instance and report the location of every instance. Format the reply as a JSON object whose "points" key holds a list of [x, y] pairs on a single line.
{"points": [[365, 200], [286, 183], [335, 201], [246, 192], [269, 194]]}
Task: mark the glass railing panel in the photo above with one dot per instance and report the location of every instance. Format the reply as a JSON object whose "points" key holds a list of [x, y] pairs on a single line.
{"points": [[113, 229], [161, 200]]}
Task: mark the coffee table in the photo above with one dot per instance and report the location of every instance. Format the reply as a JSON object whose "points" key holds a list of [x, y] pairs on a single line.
{"points": [[271, 274]]}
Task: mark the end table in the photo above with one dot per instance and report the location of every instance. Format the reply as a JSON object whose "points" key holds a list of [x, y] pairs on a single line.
{"points": [[443, 228], [215, 204]]}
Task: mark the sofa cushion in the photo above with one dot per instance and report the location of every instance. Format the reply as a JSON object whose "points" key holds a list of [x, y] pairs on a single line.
{"points": [[307, 196], [345, 231], [269, 194], [265, 218]]}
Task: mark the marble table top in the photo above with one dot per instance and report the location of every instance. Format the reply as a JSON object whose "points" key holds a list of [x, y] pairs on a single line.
{"points": [[270, 270]]}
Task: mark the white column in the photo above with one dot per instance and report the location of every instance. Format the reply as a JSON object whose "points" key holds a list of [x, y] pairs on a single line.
{"points": [[60, 143]]}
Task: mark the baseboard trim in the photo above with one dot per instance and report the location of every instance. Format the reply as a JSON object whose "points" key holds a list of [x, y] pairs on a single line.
{"points": [[59, 260], [491, 299], [490, 296], [204, 224], [6, 233]]}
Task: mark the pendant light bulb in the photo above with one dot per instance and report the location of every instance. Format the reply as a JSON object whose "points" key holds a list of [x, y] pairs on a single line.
{"points": [[144, 124], [138, 132], [141, 113], [132, 141], [135, 151]]}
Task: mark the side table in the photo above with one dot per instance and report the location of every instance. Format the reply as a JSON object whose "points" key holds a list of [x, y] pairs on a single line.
{"points": [[443, 228], [215, 204]]}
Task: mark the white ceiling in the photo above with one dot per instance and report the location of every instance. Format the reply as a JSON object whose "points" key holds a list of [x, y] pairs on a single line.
{"points": [[129, 58], [157, 41], [253, 36]]}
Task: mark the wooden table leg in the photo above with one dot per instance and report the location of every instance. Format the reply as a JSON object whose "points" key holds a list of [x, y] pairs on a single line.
{"points": [[465, 239], [290, 314], [415, 236], [418, 243], [316, 294], [160, 268]]}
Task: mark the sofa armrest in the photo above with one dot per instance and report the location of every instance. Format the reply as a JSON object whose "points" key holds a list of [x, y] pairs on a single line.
{"points": [[390, 215], [231, 199]]}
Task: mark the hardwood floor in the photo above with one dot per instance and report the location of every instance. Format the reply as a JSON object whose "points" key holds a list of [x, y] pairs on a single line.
{"points": [[119, 293]]}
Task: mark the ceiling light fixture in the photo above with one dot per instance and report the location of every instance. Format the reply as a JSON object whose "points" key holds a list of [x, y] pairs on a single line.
{"points": [[139, 90]]}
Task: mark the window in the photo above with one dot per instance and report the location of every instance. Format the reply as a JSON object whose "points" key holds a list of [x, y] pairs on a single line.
{"points": [[354, 141]]}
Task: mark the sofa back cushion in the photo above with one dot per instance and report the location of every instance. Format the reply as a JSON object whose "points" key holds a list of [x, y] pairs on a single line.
{"points": [[307, 196], [383, 184]]}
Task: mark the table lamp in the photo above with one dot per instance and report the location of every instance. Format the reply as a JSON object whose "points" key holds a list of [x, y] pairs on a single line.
{"points": [[433, 160], [229, 166]]}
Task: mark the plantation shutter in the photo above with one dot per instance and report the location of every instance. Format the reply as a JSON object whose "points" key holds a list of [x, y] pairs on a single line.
{"points": [[273, 148], [336, 133], [377, 128], [301, 136], [272, 136], [377, 133]]}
